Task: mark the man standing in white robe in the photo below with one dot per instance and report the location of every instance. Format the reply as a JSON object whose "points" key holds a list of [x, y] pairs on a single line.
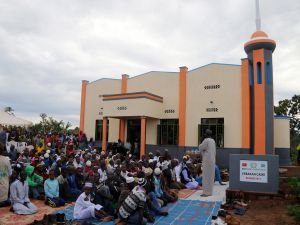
{"points": [[19, 195], [85, 209], [208, 150]]}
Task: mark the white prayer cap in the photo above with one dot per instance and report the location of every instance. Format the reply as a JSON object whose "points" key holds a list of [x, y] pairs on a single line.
{"points": [[164, 165], [48, 151], [49, 144], [129, 180], [88, 163], [88, 185], [102, 152], [157, 171], [142, 182]]}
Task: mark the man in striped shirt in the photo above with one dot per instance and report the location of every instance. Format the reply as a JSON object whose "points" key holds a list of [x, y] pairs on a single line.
{"points": [[132, 209]]}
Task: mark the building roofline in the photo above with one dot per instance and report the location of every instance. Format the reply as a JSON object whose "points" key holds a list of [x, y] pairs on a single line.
{"points": [[103, 78], [214, 63], [170, 72]]}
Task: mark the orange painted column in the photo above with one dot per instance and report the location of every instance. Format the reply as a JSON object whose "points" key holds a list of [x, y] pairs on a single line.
{"points": [[143, 136], [259, 104], [122, 121], [104, 133], [122, 130], [245, 104], [124, 83], [182, 105], [82, 104]]}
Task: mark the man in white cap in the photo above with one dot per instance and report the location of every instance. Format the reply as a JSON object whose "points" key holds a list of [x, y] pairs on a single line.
{"points": [[132, 209], [125, 190], [186, 176], [85, 209]]}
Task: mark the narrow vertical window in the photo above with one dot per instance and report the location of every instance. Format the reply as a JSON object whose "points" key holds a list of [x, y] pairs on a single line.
{"points": [[251, 78], [268, 73], [259, 77]]}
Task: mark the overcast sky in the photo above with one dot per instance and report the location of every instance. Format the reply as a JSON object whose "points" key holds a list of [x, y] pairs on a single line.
{"points": [[47, 47]]}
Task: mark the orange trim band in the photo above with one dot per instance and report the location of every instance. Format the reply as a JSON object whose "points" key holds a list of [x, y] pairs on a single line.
{"points": [[133, 95], [182, 105], [245, 104], [104, 132], [82, 104], [259, 41], [143, 136], [259, 105]]}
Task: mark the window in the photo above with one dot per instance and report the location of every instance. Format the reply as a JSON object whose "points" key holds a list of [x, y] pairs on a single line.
{"points": [[167, 132], [259, 76], [99, 130], [251, 74], [216, 125], [268, 73]]}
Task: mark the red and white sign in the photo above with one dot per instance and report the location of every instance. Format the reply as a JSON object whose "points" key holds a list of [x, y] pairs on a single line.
{"points": [[254, 171]]}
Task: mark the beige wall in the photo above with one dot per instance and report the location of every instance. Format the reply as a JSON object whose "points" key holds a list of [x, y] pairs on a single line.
{"points": [[164, 84], [113, 132], [134, 107], [94, 103], [227, 99], [151, 131], [281, 133]]}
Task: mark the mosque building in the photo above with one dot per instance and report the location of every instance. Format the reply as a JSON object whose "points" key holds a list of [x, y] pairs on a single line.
{"points": [[171, 110]]}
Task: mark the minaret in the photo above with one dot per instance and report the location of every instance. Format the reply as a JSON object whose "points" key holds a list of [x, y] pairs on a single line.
{"points": [[259, 71]]}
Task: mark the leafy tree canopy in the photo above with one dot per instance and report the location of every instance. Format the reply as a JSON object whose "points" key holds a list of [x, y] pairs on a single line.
{"points": [[291, 108]]}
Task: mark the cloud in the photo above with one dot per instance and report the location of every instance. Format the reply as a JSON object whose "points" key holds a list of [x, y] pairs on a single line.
{"points": [[48, 47]]}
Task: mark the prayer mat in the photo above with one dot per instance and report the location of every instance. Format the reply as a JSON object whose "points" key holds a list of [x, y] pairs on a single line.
{"points": [[185, 193], [10, 218], [183, 212], [69, 216]]}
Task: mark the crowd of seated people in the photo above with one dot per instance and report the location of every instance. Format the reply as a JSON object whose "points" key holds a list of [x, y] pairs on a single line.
{"points": [[61, 169]]}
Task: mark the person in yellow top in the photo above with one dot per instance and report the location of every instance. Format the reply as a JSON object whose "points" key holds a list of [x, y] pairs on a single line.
{"points": [[40, 148]]}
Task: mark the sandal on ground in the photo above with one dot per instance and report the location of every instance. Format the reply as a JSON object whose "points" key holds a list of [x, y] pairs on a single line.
{"points": [[204, 195]]}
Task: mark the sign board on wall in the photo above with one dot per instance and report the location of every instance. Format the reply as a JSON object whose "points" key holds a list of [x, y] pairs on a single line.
{"points": [[254, 171]]}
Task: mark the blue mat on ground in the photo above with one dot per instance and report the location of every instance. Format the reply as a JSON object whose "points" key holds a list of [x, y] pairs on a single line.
{"points": [[183, 212]]}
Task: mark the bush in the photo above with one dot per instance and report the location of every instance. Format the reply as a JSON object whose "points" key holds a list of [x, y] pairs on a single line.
{"points": [[294, 184], [294, 210]]}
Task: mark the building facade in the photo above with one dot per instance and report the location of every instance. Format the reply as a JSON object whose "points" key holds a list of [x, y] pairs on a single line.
{"points": [[171, 110]]}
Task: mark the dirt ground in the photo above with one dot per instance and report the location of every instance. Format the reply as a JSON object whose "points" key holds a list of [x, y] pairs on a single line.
{"points": [[272, 211], [268, 212]]}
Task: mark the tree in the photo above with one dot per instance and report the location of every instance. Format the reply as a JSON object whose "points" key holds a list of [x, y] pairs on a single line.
{"points": [[9, 110], [290, 108], [43, 116]]}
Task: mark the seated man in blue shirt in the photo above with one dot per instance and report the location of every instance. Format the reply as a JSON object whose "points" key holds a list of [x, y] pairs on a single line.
{"points": [[51, 188]]}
